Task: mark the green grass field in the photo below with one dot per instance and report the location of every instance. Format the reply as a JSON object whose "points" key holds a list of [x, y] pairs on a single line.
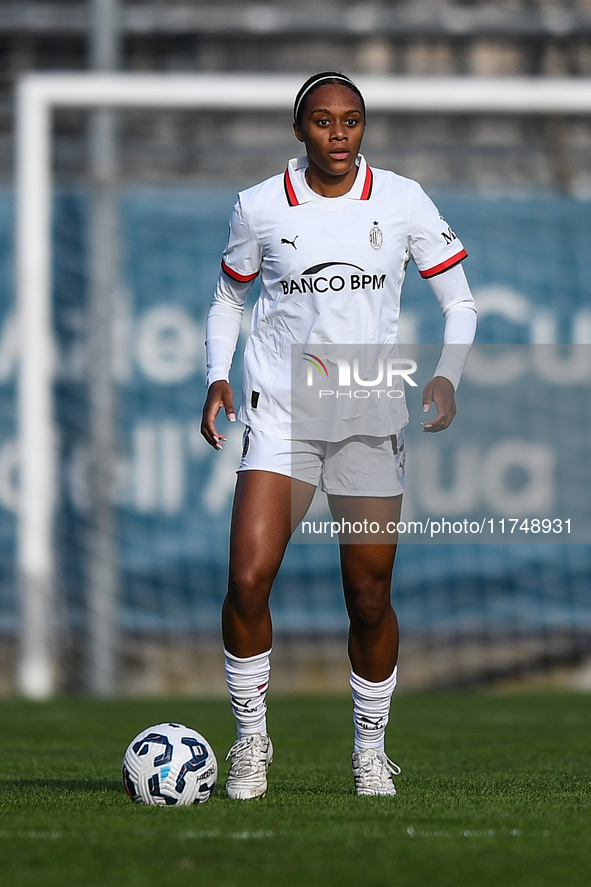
{"points": [[495, 790]]}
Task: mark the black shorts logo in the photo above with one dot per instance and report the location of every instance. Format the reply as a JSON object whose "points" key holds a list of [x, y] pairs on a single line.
{"points": [[245, 441]]}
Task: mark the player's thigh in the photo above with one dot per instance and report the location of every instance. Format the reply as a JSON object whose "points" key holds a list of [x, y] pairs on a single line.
{"points": [[366, 520], [264, 506]]}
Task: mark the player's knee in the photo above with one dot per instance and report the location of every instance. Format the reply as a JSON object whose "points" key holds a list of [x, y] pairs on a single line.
{"points": [[249, 589], [369, 606]]}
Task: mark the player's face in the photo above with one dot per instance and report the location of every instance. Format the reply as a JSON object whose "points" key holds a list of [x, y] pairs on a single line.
{"points": [[332, 129]]}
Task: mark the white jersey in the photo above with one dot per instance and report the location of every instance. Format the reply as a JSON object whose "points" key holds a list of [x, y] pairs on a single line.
{"points": [[331, 271]]}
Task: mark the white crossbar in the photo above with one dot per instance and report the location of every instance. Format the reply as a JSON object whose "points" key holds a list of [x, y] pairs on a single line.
{"points": [[507, 95]]}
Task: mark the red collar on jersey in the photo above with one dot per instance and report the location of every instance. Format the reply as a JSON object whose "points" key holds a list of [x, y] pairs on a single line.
{"points": [[292, 197]]}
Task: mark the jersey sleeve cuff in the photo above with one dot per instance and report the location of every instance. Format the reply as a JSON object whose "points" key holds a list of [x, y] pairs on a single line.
{"points": [[452, 362], [217, 375], [444, 266], [451, 375]]}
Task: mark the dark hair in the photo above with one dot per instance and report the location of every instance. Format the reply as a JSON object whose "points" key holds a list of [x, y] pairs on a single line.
{"points": [[317, 80]]}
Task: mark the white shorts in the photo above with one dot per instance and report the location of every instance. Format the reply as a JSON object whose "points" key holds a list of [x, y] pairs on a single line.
{"points": [[357, 466]]}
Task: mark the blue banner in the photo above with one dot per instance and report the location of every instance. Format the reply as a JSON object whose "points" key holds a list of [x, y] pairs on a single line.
{"points": [[529, 265]]}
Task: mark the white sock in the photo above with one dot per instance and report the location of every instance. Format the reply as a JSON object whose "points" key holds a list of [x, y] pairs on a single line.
{"points": [[248, 680], [371, 708]]}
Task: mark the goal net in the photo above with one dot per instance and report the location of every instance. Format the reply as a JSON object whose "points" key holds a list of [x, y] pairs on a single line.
{"points": [[114, 513]]}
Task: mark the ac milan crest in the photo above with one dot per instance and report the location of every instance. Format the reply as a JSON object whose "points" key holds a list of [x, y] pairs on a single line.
{"points": [[376, 238]]}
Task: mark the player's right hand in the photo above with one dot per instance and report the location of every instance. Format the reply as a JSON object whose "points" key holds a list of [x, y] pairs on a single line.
{"points": [[219, 396]]}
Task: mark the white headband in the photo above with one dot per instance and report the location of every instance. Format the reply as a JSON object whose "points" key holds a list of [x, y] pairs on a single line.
{"points": [[314, 83]]}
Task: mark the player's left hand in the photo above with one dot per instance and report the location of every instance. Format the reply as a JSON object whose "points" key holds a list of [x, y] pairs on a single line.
{"points": [[440, 392]]}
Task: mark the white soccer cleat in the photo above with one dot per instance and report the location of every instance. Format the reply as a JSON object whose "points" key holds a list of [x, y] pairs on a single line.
{"points": [[251, 757], [373, 772]]}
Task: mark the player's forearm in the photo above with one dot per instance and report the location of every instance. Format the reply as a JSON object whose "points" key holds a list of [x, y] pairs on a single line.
{"points": [[460, 325], [460, 329], [452, 291], [222, 329], [453, 294]]}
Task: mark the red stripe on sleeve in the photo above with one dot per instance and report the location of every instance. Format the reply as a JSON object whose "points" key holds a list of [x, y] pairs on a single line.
{"points": [[449, 263], [289, 191], [242, 278], [367, 185]]}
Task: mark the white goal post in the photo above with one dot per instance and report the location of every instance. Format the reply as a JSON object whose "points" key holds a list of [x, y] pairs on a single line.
{"points": [[37, 96]]}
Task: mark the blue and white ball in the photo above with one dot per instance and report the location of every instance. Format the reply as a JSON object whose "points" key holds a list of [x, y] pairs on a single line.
{"points": [[169, 765]]}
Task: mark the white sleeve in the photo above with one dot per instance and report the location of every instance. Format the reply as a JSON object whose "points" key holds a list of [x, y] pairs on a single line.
{"points": [[222, 327], [240, 266], [457, 304]]}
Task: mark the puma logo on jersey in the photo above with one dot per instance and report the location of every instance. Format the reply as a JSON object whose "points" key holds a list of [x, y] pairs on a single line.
{"points": [[291, 242]]}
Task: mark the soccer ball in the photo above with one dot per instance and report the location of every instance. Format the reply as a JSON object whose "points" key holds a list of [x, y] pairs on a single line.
{"points": [[169, 765]]}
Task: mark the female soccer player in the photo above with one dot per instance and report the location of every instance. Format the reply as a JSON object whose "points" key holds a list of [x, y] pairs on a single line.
{"points": [[331, 239]]}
